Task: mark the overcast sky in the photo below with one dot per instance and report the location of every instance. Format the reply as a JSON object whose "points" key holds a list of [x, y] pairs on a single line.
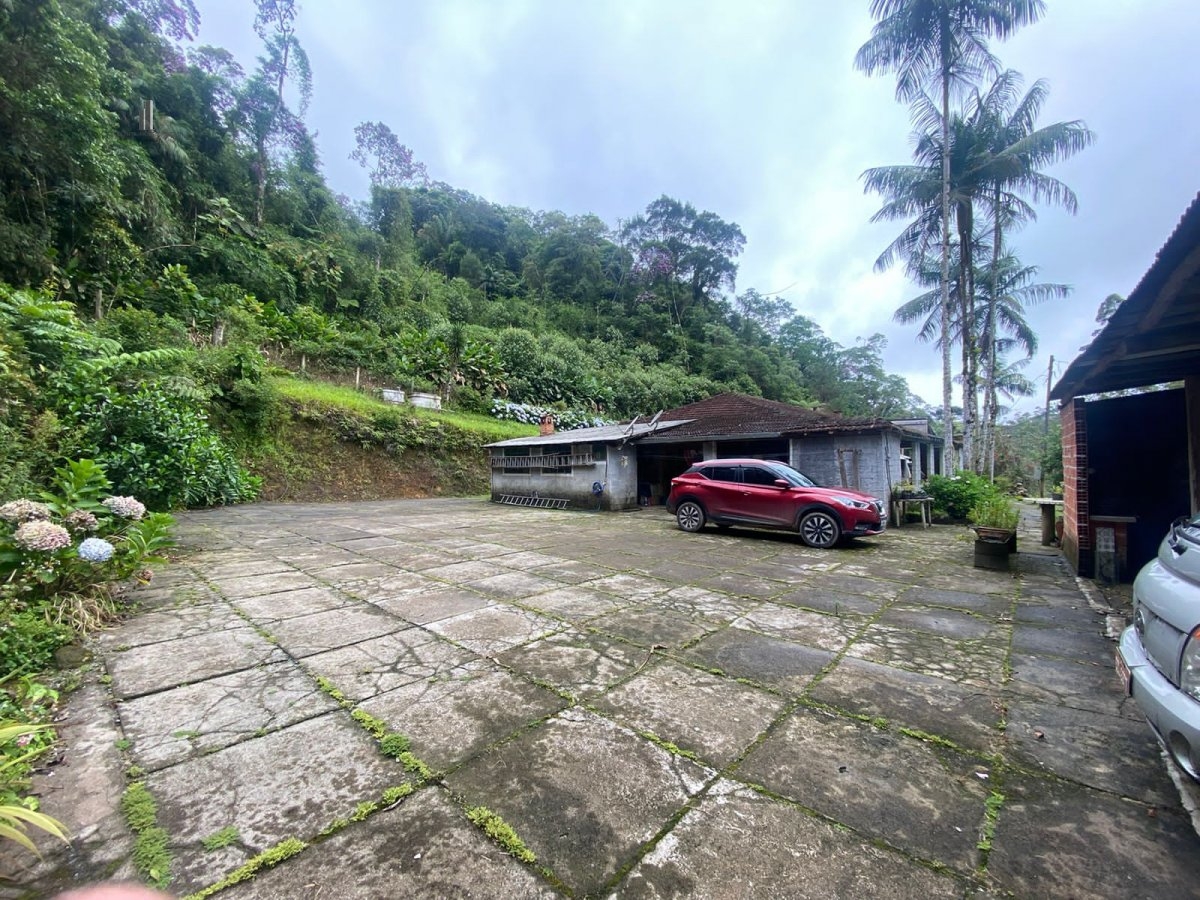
{"points": [[752, 109]]}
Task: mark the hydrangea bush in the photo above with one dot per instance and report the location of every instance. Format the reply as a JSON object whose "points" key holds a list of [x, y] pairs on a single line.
{"points": [[564, 420], [61, 554]]}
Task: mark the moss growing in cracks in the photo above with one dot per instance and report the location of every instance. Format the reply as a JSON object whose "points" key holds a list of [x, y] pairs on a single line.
{"points": [[265, 860], [151, 856], [992, 807], [223, 838], [500, 832]]}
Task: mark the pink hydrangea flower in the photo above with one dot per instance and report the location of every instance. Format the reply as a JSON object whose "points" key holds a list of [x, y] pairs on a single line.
{"points": [[125, 507], [42, 536], [24, 511]]}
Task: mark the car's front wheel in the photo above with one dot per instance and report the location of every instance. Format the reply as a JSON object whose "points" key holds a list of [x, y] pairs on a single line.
{"points": [[820, 529], [690, 516]]}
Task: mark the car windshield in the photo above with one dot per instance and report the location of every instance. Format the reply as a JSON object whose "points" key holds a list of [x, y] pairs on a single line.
{"points": [[790, 475]]}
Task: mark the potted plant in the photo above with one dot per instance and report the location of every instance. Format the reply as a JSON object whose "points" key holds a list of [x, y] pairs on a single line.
{"points": [[994, 521]]}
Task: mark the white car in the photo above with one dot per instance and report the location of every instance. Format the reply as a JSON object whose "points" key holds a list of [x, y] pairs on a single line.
{"points": [[1158, 658]]}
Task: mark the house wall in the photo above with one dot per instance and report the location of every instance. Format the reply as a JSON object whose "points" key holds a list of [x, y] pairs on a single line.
{"points": [[617, 472], [878, 460], [1124, 457]]}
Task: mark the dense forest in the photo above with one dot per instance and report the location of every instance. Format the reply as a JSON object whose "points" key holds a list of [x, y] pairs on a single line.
{"points": [[174, 201]]}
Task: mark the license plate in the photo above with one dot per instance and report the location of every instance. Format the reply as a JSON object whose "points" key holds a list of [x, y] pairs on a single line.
{"points": [[1124, 676]]}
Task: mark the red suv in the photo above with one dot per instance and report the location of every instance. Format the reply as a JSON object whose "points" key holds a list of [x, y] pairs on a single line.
{"points": [[771, 495]]}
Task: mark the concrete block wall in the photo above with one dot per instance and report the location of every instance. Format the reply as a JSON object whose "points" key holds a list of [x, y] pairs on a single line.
{"points": [[617, 472], [878, 460]]}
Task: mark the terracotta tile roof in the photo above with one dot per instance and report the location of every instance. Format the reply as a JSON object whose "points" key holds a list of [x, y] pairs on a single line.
{"points": [[742, 415]]}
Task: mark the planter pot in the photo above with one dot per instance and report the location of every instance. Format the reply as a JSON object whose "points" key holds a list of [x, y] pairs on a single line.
{"points": [[429, 401], [992, 554], [393, 396], [996, 535]]}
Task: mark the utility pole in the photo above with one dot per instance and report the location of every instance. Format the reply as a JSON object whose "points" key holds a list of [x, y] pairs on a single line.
{"points": [[1045, 429]]}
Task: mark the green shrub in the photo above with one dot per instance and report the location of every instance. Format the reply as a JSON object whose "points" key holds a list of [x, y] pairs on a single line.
{"points": [[995, 512], [28, 641], [955, 497], [158, 445]]}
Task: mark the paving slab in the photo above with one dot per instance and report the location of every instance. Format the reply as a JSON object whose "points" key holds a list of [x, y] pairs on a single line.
{"points": [[1069, 683], [513, 585], [738, 843], [425, 847], [243, 586], [968, 716], [378, 665], [437, 602], [713, 717], [290, 604], [184, 660], [1111, 753], [978, 662], [649, 627], [951, 623], [575, 604], [1084, 646], [577, 663], [305, 635], [166, 623], [453, 715], [763, 660], [290, 783], [170, 726], [825, 600], [493, 629], [583, 793], [924, 799], [826, 632], [1055, 839]]}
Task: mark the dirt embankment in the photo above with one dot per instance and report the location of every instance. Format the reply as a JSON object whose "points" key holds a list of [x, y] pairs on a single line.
{"points": [[311, 462]]}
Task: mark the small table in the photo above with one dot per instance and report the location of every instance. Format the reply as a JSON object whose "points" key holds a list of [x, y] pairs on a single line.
{"points": [[1049, 510], [902, 505]]}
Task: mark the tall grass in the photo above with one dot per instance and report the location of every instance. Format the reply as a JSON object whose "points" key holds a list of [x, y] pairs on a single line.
{"points": [[322, 393]]}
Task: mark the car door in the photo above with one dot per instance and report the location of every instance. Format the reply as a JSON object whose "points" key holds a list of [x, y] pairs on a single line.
{"points": [[762, 500], [722, 492]]}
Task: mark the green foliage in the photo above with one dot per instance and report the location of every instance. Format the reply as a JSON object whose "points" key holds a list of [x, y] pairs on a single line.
{"points": [[158, 445], [954, 497], [28, 641], [995, 512], [394, 744], [17, 813]]}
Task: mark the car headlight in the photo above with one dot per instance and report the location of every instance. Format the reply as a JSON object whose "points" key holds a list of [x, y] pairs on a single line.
{"points": [[853, 503], [1189, 666]]}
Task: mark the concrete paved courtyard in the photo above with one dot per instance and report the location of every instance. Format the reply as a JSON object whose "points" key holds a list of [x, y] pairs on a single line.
{"points": [[358, 691]]}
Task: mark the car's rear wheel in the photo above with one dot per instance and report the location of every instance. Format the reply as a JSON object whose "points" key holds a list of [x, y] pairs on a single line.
{"points": [[690, 516], [820, 529]]}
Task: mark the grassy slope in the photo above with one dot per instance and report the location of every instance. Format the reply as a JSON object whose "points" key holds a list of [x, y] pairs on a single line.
{"points": [[340, 444]]}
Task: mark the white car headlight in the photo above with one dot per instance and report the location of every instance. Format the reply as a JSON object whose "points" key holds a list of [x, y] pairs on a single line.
{"points": [[853, 502], [1189, 666]]}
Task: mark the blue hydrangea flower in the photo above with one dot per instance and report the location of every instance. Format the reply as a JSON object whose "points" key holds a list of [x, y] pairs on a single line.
{"points": [[95, 550]]}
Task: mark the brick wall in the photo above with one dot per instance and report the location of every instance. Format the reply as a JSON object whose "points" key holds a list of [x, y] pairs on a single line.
{"points": [[1077, 532]]}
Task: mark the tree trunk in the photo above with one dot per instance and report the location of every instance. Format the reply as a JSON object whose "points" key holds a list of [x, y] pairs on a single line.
{"points": [[990, 398], [947, 375], [964, 218]]}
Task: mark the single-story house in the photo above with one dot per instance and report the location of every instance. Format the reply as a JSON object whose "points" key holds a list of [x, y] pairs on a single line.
{"points": [[1131, 457], [585, 468], [620, 466], [862, 453]]}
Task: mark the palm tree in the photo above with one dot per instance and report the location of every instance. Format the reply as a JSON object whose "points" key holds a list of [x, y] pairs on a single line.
{"points": [[942, 42], [1009, 288], [1010, 172]]}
